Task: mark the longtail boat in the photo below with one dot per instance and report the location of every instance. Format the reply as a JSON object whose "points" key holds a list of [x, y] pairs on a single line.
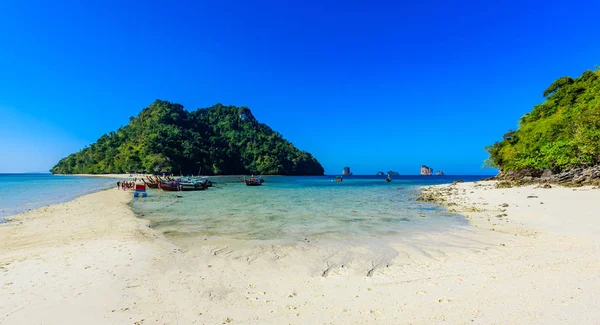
{"points": [[253, 181], [149, 184], [169, 188], [178, 186]]}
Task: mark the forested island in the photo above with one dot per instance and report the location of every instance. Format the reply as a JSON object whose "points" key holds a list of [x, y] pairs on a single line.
{"points": [[559, 140], [219, 140]]}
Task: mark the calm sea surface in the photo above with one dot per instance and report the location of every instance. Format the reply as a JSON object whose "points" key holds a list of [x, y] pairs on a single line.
{"points": [[290, 208], [21, 192], [294, 208]]}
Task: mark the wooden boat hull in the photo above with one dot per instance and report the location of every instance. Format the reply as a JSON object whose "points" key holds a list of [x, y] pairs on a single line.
{"points": [[169, 189], [192, 187], [253, 181], [182, 187], [151, 185]]}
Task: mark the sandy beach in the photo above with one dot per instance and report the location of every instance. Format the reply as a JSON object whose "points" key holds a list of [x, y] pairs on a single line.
{"points": [[529, 255]]}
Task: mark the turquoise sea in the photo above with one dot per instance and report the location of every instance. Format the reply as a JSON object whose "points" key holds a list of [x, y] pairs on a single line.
{"points": [[21, 192], [297, 208], [283, 209]]}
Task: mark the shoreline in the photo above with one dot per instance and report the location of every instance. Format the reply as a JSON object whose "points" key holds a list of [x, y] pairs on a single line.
{"points": [[91, 260], [487, 206], [116, 176], [125, 175], [46, 199]]}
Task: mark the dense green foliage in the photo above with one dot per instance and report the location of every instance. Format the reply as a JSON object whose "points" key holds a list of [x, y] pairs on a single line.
{"points": [[221, 139], [560, 133]]}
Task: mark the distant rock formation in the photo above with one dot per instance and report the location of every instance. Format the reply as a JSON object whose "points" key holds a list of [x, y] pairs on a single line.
{"points": [[426, 170], [390, 172], [439, 173], [346, 171]]}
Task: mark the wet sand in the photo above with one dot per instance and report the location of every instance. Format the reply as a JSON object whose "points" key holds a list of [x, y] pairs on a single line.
{"points": [[91, 261]]}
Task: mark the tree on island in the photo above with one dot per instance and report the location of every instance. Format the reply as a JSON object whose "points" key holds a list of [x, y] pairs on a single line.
{"points": [[216, 140], [560, 133]]}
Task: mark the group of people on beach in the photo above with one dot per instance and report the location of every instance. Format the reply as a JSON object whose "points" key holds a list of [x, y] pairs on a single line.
{"points": [[125, 185]]}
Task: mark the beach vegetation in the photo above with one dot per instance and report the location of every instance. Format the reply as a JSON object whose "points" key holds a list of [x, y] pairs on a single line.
{"points": [[560, 133]]}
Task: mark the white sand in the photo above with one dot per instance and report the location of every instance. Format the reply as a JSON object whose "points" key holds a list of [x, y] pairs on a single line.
{"points": [[90, 261]]}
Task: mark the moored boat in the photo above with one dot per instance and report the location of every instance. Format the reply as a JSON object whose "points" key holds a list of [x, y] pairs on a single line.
{"points": [[149, 184], [169, 187], [152, 181], [174, 186], [197, 180], [253, 181], [192, 187]]}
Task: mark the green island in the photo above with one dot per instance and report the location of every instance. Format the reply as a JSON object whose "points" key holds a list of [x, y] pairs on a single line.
{"points": [[219, 140], [560, 134]]}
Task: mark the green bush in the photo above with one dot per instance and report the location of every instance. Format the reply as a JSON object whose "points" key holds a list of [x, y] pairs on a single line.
{"points": [[560, 133]]}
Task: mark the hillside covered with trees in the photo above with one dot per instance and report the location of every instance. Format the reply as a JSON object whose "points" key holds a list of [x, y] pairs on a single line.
{"points": [[219, 140], [559, 134]]}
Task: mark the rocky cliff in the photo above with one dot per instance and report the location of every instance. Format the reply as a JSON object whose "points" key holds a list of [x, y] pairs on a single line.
{"points": [[426, 170], [577, 176]]}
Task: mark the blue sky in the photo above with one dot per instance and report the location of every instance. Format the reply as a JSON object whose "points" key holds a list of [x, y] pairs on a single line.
{"points": [[374, 85]]}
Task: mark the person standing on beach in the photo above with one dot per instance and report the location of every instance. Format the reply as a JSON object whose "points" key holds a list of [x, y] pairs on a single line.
{"points": [[118, 184]]}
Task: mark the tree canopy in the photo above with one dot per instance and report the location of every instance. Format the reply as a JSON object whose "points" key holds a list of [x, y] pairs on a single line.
{"points": [[560, 133], [219, 140]]}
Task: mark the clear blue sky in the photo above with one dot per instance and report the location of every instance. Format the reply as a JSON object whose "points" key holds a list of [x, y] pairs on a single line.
{"points": [[369, 84]]}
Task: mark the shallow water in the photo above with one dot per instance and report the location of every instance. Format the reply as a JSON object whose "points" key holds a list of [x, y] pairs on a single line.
{"points": [[296, 208], [21, 192]]}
